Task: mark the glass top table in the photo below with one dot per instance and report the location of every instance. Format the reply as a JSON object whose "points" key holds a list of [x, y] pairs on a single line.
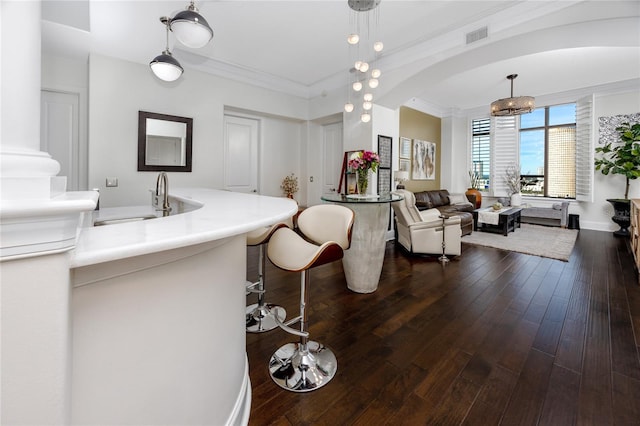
{"points": [[382, 198], [363, 260]]}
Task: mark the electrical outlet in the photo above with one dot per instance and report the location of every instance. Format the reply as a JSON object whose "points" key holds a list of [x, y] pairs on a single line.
{"points": [[112, 182], [310, 178]]}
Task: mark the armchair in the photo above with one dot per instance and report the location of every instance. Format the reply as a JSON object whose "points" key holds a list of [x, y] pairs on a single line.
{"points": [[421, 231]]}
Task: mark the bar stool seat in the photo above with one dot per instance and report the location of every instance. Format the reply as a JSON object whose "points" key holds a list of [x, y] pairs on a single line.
{"points": [[326, 233], [261, 316]]}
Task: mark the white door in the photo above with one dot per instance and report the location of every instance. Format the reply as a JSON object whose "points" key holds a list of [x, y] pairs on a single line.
{"points": [[241, 154], [59, 133], [332, 155]]}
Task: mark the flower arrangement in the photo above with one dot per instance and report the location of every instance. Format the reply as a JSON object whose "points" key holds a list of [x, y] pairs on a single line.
{"points": [[512, 178], [362, 162], [290, 185]]}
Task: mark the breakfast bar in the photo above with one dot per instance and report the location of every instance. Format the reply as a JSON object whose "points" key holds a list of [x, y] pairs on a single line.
{"points": [[158, 311]]}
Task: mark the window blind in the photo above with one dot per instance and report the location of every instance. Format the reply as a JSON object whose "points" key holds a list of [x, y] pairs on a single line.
{"points": [[584, 149], [505, 152]]}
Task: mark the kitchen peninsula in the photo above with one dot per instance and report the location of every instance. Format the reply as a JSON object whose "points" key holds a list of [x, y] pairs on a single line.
{"points": [[158, 312]]}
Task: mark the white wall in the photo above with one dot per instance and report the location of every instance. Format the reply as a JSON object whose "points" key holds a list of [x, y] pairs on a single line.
{"points": [[119, 89], [596, 215]]}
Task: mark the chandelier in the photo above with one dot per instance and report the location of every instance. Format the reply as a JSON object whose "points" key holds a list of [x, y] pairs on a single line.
{"points": [[192, 30], [363, 54], [512, 106]]}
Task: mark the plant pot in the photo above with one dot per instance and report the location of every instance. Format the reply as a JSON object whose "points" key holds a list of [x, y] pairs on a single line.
{"points": [[516, 199], [621, 216], [477, 194]]}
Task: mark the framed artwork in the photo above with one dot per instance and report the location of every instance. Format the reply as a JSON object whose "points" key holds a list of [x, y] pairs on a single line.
{"points": [[424, 160], [405, 148], [384, 181], [405, 165], [384, 151]]}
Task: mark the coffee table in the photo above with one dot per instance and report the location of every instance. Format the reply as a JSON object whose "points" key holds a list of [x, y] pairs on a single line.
{"points": [[506, 221]]}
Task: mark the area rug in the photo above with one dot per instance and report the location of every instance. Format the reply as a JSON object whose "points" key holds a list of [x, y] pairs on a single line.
{"points": [[544, 241]]}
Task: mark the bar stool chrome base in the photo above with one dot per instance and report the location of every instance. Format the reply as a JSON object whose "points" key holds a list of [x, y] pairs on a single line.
{"points": [[303, 371], [262, 318]]}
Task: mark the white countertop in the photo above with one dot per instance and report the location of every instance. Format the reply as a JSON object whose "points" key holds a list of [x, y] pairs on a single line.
{"points": [[223, 214]]}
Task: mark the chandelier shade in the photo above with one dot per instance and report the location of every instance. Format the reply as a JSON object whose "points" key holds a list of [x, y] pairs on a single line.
{"points": [[363, 5], [190, 28], [166, 67], [512, 105]]}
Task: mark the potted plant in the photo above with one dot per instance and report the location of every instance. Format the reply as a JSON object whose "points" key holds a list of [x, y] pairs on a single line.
{"points": [[512, 178], [474, 183], [622, 158]]}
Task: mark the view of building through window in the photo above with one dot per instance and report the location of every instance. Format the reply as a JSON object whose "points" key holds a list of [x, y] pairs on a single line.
{"points": [[548, 151]]}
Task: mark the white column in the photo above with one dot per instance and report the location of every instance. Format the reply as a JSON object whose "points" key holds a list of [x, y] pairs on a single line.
{"points": [[25, 171], [38, 224]]}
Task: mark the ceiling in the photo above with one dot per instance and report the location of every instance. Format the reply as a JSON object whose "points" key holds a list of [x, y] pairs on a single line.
{"points": [[299, 47]]}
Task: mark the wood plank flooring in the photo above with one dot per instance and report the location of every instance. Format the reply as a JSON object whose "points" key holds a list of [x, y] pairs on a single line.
{"points": [[495, 337]]}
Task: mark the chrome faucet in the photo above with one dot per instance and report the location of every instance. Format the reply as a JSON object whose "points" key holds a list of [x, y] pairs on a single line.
{"points": [[163, 181]]}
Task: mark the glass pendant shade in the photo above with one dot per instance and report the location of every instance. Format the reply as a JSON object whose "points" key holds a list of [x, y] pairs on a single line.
{"points": [[378, 46], [357, 65], [190, 28], [376, 73], [367, 105], [353, 38], [364, 67], [373, 83], [366, 117], [348, 107], [368, 97], [166, 67], [357, 86]]}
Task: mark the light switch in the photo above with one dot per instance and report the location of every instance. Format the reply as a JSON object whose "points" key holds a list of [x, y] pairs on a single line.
{"points": [[112, 182]]}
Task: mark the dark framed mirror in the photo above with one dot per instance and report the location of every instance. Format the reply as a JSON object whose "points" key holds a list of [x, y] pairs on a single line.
{"points": [[164, 142]]}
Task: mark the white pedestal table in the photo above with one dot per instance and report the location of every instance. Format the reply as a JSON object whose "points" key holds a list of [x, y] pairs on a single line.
{"points": [[363, 261]]}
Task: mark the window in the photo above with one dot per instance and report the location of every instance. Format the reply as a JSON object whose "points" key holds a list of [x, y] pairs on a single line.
{"points": [[553, 146], [481, 150], [548, 152]]}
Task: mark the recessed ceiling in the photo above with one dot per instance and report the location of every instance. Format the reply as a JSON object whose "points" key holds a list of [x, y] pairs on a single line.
{"points": [[300, 46]]}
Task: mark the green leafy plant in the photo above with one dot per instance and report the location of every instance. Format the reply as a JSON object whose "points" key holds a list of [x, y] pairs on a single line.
{"points": [[621, 157]]}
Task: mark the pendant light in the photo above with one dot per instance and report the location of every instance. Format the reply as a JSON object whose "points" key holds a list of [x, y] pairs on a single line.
{"points": [[190, 28], [512, 106], [165, 66]]}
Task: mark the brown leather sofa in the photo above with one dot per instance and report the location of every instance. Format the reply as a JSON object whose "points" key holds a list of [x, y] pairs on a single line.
{"points": [[448, 204]]}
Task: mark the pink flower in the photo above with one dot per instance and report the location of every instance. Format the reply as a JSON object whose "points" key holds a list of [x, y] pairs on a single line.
{"points": [[364, 160]]}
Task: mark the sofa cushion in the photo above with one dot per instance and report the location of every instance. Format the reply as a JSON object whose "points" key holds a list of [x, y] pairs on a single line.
{"points": [[423, 201], [439, 198]]}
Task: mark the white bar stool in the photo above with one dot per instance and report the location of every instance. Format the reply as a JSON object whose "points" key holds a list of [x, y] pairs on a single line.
{"points": [[326, 230]]}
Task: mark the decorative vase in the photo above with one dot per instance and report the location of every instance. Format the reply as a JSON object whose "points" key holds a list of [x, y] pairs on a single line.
{"points": [[516, 199], [363, 181], [477, 194], [621, 216]]}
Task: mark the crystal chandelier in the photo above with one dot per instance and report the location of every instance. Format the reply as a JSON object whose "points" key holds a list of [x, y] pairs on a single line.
{"points": [[363, 54], [512, 106]]}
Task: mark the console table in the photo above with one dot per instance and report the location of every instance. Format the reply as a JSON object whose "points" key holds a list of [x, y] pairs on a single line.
{"points": [[501, 221], [363, 261]]}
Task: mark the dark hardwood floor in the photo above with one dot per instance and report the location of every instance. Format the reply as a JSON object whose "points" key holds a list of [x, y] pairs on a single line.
{"points": [[495, 337]]}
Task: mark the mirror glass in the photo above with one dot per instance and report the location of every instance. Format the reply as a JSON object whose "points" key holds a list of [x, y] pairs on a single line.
{"points": [[164, 142]]}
